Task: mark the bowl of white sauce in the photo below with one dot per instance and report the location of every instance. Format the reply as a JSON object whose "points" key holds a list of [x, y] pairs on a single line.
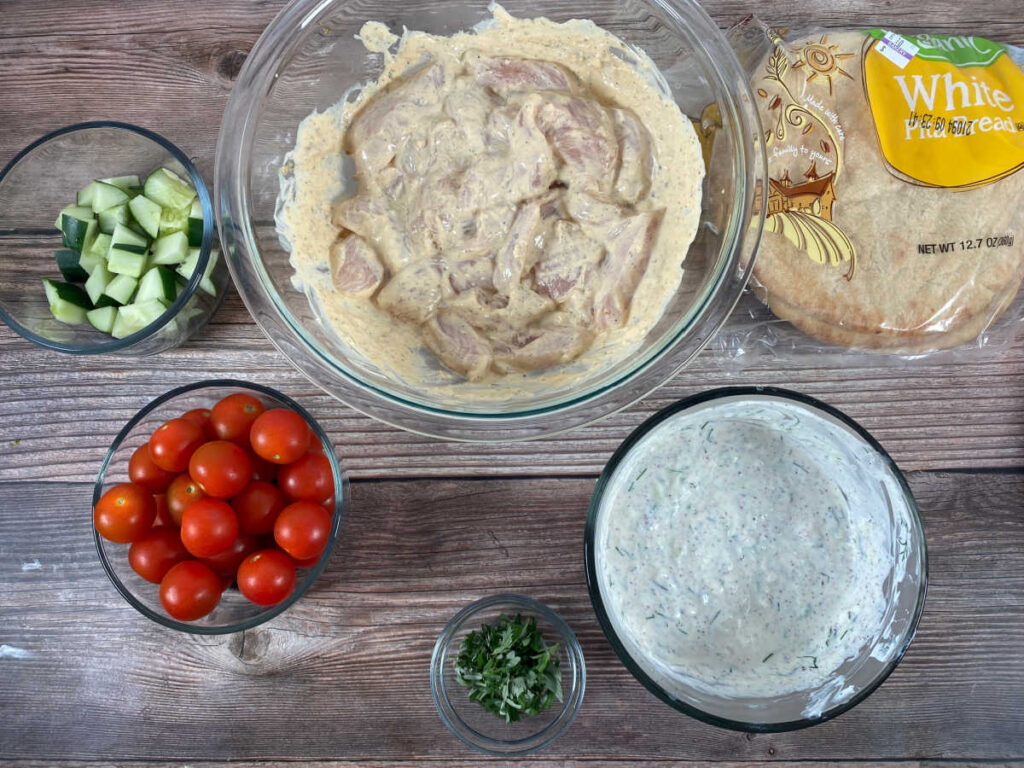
{"points": [[756, 559], [490, 222]]}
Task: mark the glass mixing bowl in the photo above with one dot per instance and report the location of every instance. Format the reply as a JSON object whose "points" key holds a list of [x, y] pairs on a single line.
{"points": [[308, 58], [862, 472], [41, 181]]}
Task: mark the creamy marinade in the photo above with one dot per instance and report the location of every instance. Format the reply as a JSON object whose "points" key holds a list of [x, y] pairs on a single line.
{"points": [[744, 548], [378, 292]]}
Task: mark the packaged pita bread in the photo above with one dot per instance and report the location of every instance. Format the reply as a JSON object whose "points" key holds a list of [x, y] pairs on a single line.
{"points": [[895, 200]]}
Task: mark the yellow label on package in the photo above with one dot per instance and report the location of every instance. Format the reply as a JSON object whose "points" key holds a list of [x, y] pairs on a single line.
{"points": [[949, 110]]}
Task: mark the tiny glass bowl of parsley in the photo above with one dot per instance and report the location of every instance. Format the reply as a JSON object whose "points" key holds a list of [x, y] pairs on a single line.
{"points": [[507, 675]]}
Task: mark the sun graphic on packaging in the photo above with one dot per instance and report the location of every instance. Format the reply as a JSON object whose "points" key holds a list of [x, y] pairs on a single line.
{"points": [[823, 60]]}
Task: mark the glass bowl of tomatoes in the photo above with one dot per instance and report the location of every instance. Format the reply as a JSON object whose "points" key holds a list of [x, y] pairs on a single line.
{"points": [[217, 506]]}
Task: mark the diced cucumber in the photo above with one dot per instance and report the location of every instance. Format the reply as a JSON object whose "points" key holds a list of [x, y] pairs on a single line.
{"points": [[77, 233], [102, 318], [170, 249], [174, 220], [69, 264], [195, 224], [134, 317], [82, 212], [147, 213], [157, 283], [124, 182], [68, 302], [111, 217], [168, 190], [107, 196], [121, 261], [97, 248], [120, 290], [128, 240], [86, 194], [188, 266], [98, 282]]}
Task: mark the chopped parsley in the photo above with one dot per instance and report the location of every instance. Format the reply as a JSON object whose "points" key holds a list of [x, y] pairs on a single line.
{"points": [[508, 669]]}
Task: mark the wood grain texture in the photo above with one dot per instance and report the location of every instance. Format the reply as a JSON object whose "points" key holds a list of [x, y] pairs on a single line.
{"points": [[343, 674]]}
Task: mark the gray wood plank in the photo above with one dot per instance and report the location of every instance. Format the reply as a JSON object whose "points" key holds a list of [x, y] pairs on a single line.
{"points": [[59, 414], [343, 674]]}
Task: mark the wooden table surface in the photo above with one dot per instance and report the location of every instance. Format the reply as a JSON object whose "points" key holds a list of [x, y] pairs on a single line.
{"points": [[342, 677]]}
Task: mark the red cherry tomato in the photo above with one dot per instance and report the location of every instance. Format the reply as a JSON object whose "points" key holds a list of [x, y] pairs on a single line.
{"points": [[142, 470], [208, 527], [182, 493], [233, 416], [257, 507], [153, 556], [227, 562], [308, 479], [302, 529], [172, 444], [163, 516], [262, 469], [201, 416], [308, 563], [280, 436], [125, 513], [266, 577], [222, 469], [189, 591]]}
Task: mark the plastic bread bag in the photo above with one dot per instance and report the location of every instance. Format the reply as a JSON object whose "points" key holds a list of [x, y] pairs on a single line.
{"points": [[894, 208]]}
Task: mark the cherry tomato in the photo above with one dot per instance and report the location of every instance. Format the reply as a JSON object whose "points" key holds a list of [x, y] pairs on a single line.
{"points": [[142, 470], [208, 527], [173, 443], [266, 577], [233, 416], [308, 479], [262, 469], [182, 493], [308, 563], [328, 504], [125, 513], [280, 436], [302, 529], [257, 507], [153, 556], [227, 562], [190, 590], [222, 469], [201, 416], [163, 517]]}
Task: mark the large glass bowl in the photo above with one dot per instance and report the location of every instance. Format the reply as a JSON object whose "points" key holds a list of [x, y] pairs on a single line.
{"points": [[38, 183], [234, 612], [308, 57], [863, 471]]}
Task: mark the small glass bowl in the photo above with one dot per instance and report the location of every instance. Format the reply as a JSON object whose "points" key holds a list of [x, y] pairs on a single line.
{"points": [[41, 181], [476, 726], [234, 612], [861, 460]]}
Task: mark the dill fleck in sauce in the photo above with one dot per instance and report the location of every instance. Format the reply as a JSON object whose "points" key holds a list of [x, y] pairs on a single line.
{"points": [[736, 554]]}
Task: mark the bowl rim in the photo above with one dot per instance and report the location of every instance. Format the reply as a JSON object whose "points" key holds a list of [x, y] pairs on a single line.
{"points": [[468, 735], [590, 565], [342, 501], [731, 271], [190, 288]]}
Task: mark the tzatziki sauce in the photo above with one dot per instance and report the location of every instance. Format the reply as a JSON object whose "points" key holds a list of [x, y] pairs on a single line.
{"points": [[745, 548]]}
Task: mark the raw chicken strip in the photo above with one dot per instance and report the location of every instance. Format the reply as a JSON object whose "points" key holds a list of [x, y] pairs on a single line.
{"points": [[493, 313], [457, 345], [567, 260], [633, 180], [378, 131], [472, 272], [596, 217], [412, 294], [355, 268], [583, 135], [516, 255], [504, 75], [551, 346], [625, 263], [366, 217]]}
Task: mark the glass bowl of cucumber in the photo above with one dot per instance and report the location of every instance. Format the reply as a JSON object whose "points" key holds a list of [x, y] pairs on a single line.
{"points": [[106, 242]]}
